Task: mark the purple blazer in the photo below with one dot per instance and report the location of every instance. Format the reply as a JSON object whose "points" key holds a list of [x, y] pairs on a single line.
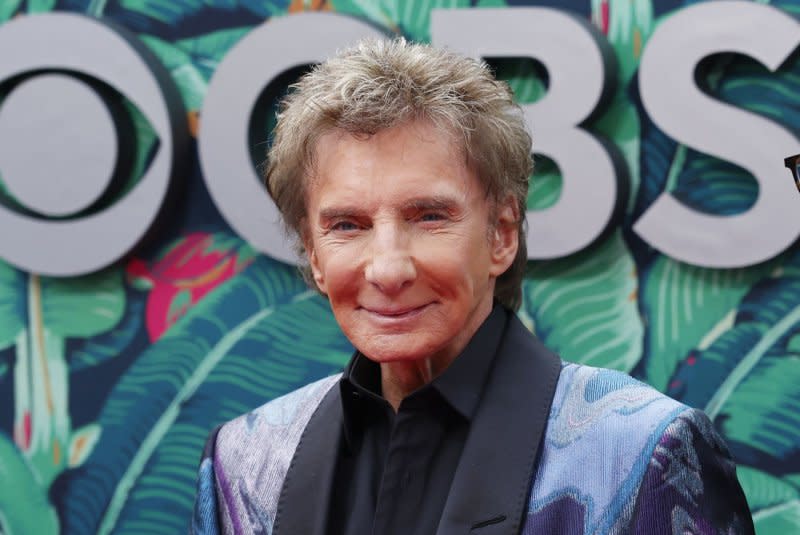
{"points": [[558, 449]]}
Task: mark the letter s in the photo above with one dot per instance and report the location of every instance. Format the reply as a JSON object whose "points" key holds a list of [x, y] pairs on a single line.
{"points": [[675, 103]]}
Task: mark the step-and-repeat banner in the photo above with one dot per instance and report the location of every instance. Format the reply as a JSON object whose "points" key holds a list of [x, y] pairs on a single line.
{"points": [[147, 293]]}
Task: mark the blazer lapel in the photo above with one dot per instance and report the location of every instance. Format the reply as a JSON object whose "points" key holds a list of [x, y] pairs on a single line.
{"points": [[490, 488], [305, 496]]}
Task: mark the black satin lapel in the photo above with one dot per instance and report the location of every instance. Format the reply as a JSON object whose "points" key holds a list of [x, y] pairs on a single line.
{"points": [[305, 496], [491, 485]]}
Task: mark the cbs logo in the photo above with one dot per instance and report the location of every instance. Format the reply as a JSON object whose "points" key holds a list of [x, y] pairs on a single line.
{"points": [[62, 152], [70, 206]]}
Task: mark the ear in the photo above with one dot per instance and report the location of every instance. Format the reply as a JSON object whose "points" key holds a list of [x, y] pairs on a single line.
{"points": [[314, 264], [505, 237]]}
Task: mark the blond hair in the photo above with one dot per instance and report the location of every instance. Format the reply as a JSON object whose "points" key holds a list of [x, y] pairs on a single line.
{"points": [[379, 84]]}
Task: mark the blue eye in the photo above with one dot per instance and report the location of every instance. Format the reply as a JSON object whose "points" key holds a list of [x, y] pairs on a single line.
{"points": [[431, 216], [344, 226]]}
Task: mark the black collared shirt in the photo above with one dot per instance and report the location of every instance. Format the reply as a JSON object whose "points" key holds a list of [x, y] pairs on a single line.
{"points": [[394, 471]]}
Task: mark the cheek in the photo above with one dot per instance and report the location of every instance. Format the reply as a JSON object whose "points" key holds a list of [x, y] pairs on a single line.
{"points": [[341, 274], [451, 278], [461, 264]]}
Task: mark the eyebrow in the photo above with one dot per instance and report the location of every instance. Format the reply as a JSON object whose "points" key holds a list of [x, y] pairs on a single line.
{"points": [[445, 203], [338, 212], [436, 202]]}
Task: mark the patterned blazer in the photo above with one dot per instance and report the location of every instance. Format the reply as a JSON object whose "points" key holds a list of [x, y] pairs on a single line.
{"points": [[559, 449]]}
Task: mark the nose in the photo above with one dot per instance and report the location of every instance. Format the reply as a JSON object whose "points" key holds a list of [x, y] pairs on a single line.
{"points": [[390, 264]]}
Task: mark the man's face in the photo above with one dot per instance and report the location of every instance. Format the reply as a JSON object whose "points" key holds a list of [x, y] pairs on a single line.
{"points": [[398, 238]]}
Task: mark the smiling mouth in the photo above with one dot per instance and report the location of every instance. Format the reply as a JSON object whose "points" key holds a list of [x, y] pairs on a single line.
{"points": [[395, 313]]}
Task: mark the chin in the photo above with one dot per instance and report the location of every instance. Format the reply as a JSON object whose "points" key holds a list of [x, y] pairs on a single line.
{"points": [[384, 351]]}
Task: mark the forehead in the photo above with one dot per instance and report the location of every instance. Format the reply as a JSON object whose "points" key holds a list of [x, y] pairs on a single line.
{"points": [[401, 140], [415, 154]]}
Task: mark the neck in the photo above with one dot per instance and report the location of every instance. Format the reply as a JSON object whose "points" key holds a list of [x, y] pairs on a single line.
{"points": [[399, 379]]}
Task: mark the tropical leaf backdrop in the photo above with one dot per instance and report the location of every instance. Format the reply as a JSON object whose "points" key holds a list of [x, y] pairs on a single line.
{"points": [[110, 383]]}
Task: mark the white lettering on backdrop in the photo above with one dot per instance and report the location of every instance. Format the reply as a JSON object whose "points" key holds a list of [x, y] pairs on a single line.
{"points": [[578, 63]]}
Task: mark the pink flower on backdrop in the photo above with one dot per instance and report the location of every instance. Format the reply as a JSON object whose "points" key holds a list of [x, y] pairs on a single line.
{"points": [[184, 273], [604, 17]]}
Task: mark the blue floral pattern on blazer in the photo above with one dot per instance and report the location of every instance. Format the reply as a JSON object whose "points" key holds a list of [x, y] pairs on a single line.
{"points": [[618, 457]]}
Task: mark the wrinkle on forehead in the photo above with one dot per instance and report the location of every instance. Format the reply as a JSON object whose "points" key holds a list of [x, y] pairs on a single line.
{"points": [[423, 128]]}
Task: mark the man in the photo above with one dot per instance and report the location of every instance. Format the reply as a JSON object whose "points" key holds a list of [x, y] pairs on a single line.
{"points": [[403, 172]]}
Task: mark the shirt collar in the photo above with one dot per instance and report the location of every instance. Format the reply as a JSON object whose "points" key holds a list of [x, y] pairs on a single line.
{"points": [[460, 385]]}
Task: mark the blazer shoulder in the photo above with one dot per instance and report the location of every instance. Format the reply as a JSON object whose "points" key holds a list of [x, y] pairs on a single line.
{"points": [[270, 424], [602, 430], [609, 396], [283, 410], [252, 453]]}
